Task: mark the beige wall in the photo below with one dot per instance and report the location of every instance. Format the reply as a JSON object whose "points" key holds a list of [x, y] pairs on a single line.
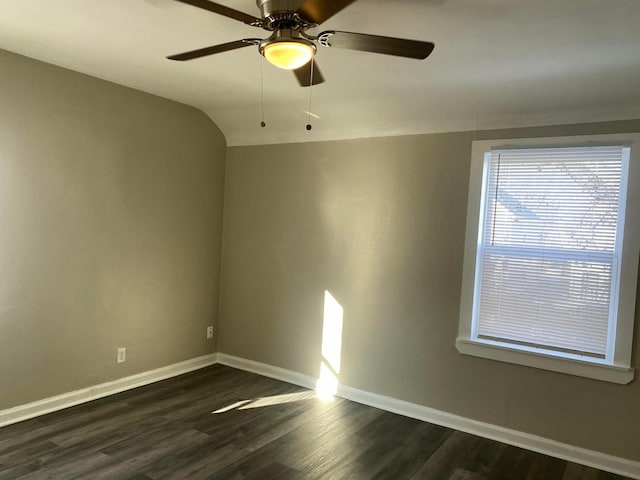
{"points": [[380, 224], [110, 227]]}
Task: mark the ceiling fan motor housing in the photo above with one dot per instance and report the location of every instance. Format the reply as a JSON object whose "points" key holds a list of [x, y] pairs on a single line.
{"points": [[286, 35], [269, 7]]}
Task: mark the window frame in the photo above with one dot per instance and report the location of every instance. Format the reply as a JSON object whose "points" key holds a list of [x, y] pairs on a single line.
{"points": [[618, 368]]}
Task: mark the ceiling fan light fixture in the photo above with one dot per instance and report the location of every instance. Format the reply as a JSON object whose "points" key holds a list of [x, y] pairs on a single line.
{"points": [[289, 54]]}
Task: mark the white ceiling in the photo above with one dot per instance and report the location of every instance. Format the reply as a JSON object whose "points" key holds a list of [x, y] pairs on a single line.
{"points": [[497, 63]]}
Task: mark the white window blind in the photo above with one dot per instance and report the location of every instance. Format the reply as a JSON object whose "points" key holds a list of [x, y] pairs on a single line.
{"points": [[548, 251]]}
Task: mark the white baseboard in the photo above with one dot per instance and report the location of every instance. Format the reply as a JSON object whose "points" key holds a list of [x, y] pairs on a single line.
{"points": [[535, 443], [265, 370], [65, 400], [601, 461]]}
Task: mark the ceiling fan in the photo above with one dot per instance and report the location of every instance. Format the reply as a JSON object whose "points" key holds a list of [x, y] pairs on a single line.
{"points": [[290, 47]]}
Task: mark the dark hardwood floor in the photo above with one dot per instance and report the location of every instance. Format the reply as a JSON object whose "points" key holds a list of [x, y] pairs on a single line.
{"points": [[273, 430]]}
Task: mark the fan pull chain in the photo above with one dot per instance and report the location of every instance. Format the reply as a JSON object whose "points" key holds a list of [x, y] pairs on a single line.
{"points": [[310, 92], [262, 123]]}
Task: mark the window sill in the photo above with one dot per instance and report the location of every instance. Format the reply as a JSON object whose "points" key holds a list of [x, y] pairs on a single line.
{"points": [[531, 358]]}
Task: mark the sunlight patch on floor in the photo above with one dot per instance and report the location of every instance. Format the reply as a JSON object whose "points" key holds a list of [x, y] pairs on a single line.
{"points": [[279, 399], [233, 406], [268, 401]]}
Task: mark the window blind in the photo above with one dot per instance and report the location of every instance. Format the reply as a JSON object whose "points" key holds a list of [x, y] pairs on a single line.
{"points": [[547, 247]]}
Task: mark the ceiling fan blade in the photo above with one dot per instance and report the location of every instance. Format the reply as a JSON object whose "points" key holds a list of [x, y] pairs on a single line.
{"points": [[303, 74], [224, 47], [319, 11], [399, 47], [224, 10]]}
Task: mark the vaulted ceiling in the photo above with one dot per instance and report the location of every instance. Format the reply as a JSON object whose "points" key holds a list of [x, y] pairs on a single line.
{"points": [[497, 63]]}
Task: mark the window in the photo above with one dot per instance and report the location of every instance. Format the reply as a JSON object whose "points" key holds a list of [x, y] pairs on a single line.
{"points": [[551, 258]]}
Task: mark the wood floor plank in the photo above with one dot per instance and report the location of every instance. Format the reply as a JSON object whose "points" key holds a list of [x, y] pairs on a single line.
{"points": [[46, 428], [447, 459], [263, 430], [406, 457], [402, 446], [483, 456], [275, 471], [573, 471], [297, 443], [462, 474], [543, 467], [334, 454], [512, 463], [331, 438], [65, 464], [239, 433], [197, 463]]}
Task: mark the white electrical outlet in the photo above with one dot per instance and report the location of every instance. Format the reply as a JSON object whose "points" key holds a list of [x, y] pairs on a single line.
{"points": [[209, 332], [121, 355]]}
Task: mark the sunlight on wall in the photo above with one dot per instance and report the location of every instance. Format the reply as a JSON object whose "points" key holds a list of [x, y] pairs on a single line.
{"points": [[327, 385], [331, 347]]}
